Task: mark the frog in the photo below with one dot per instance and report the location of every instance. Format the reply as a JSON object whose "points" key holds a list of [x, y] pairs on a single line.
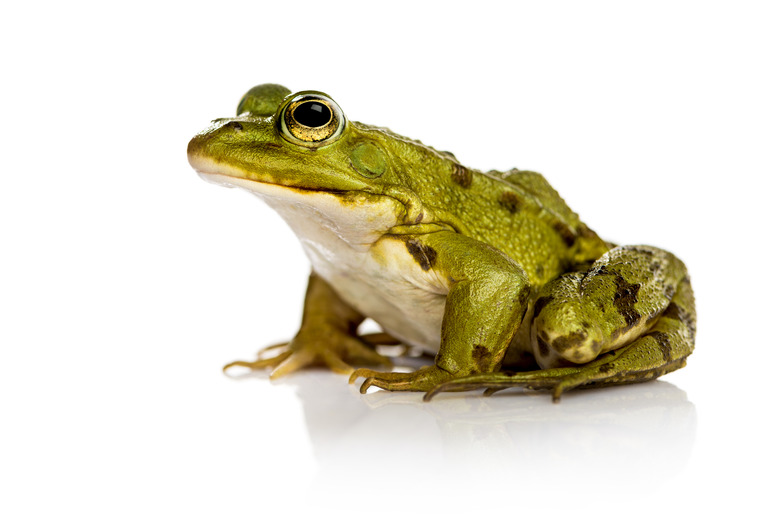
{"points": [[490, 273]]}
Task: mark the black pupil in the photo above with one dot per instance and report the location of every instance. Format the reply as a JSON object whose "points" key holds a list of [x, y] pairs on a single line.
{"points": [[312, 114]]}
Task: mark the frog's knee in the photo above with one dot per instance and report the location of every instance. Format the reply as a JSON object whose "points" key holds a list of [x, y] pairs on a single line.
{"points": [[555, 349], [562, 333]]}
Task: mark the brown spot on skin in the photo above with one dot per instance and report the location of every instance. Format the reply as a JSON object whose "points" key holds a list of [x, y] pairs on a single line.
{"points": [[565, 232], [540, 304], [422, 254], [539, 271], [481, 356], [604, 368], [542, 346], [625, 299], [461, 175], [237, 126], [569, 341], [663, 343], [509, 201]]}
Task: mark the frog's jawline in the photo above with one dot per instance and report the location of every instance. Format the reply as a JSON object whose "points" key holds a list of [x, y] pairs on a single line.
{"points": [[221, 175], [358, 223], [259, 187]]}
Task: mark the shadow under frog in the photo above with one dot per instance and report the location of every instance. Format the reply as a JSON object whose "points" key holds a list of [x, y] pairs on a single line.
{"points": [[646, 431]]}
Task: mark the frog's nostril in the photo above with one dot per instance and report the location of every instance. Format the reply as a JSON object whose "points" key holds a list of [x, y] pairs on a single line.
{"points": [[237, 126]]}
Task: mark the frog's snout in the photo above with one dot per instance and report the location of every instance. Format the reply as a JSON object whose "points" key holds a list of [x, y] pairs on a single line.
{"points": [[217, 130]]}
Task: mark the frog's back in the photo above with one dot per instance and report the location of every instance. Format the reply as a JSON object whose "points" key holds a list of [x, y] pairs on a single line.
{"points": [[517, 212], [521, 214], [536, 185]]}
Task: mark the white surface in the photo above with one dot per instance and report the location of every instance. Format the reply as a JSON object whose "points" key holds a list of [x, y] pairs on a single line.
{"points": [[127, 281]]}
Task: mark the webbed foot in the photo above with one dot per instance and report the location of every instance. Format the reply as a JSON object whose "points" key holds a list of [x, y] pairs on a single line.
{"points": [[336, 351]]}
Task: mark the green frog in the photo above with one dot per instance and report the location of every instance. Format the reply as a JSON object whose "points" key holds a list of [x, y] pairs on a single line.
{"points": [[490, 272]]}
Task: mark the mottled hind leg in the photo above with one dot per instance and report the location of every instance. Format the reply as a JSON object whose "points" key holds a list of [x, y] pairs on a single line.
{"points": [[662, 349], [582, 315], [630, 318]]}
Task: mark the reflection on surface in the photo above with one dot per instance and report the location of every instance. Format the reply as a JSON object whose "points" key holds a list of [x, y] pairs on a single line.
{"points": [[620, 435]]}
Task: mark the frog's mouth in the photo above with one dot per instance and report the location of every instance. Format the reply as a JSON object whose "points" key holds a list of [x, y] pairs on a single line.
{"points": [[226, 175], [357, 217], [409, 213]]}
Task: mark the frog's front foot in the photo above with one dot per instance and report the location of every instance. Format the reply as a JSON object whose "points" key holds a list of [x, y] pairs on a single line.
{"points": [[424, 379], [336, 351]]}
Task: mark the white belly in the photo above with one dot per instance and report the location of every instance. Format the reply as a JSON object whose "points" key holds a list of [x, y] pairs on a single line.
{"points": [[374, 274], [404, 301]]}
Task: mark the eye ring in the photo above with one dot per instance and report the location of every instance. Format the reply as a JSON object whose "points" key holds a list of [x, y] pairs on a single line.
{"points": [[311, 119]]}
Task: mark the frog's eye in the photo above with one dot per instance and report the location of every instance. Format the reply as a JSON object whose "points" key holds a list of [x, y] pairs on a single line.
{"points": [[312, 119]]}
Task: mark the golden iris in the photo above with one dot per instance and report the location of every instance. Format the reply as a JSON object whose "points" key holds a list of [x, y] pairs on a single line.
{"points": [[312, 120]]}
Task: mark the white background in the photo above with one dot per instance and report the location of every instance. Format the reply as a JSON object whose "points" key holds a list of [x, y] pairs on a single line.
{"points": [[127, 282]]}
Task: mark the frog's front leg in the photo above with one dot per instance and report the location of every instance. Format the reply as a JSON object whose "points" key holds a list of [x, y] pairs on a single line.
{"points": [[487, 297], [629, 318], [328, 337]]}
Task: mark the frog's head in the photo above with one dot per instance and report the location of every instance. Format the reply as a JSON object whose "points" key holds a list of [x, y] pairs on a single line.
{"points": [[299, 150]]}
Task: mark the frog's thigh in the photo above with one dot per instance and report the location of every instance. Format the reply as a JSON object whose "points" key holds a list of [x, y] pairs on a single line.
{"points": [[582, 315], [659, 350]]}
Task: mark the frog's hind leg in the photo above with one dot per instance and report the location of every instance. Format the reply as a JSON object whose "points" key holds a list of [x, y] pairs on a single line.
{"points": [[647, 330]]}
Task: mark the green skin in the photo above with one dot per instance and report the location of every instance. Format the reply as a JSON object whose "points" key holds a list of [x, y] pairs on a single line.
{"points": [[490, 271]]}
